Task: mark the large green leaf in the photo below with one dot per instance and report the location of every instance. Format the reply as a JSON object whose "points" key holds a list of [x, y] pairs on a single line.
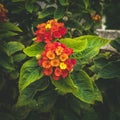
{"points": [[29, 73], [76, 44], [34, 49], [87, 91], [110, 70], [64, 85], [94, 41], [7, 26], [86, 55], [13, 47], [26, 97]]}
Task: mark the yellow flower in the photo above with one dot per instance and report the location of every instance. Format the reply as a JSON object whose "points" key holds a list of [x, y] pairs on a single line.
{"points": [[63, 66], [48, 26]]}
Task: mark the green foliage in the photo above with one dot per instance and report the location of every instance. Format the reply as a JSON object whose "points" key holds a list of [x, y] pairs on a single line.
{"points": [[34, 49], [29, 73], [90, 92], [87, 90], [77, 44]]}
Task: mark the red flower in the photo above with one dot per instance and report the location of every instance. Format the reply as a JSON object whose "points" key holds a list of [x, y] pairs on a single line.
{"points": [[64, 73], [56, 34], [63, 31], [55, 77], [57, 71], [48, 71]]}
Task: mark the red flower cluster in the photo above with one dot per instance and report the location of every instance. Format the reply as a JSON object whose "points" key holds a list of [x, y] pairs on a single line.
{"points": [[55, 60], [3, 13], [50, 30]]}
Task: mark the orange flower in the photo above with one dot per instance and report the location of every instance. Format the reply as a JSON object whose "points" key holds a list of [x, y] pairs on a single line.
{"points": [[46, 64], [3, 13], [96, 17], [42, 25], [55, 62], [63, 57], [50, 55], [59, 50]]}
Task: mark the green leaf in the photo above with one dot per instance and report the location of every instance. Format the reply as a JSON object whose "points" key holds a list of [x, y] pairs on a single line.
{"points": [[43, 104], [46, 12], [26, 98], [64, 2], [19, 57], [13, 47], [110, 70], [34, 49], [116, 44], [29, 73], [59, 12], [7, 34], [86, 2], [29, 7], [76, 44], [72, 23], [5, 61], [86, 90], [86, 55], [64, 85], [94, 41], [7, 26]]}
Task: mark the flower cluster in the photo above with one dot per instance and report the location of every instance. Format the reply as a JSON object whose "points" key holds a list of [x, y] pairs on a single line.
{"points": [[3, 13], [50, 30], [56, 61], [96, 17]]}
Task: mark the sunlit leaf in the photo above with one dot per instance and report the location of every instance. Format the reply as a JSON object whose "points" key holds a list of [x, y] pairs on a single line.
{"points": [[34, 49], [77, 44], [29, 73]]}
